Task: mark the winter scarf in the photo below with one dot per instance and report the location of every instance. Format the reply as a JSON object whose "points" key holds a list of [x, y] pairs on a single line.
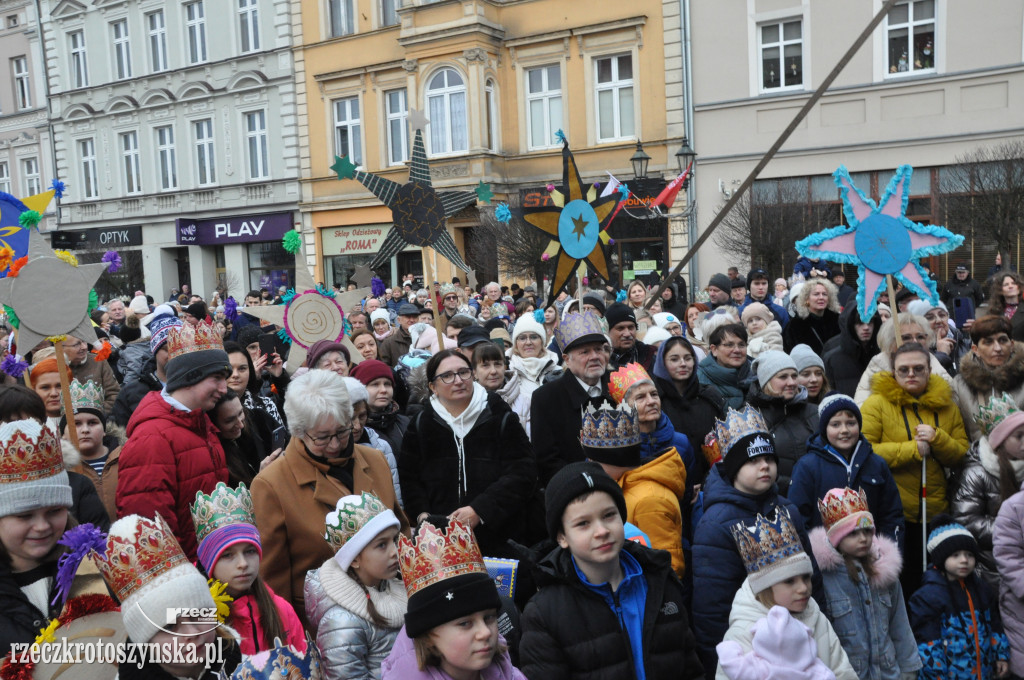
{"points": [[382, 421], [389, 598], [462, 424]]}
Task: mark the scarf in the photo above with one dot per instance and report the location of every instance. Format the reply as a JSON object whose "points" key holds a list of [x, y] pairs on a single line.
{"points": [[531, 369], [389, 598], [263, 403], [380, 336], [382, 421], [461, 426]]}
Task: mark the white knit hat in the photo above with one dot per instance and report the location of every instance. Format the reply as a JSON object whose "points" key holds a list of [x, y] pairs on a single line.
{"points": [[32, 471], [380, 314], [528, 323], [356, 390], [656, 334], [662, 319]]}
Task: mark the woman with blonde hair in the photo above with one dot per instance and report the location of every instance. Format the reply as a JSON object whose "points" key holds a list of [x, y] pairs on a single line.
{"points": [[636, 294], [816, 318], [912, 329]]}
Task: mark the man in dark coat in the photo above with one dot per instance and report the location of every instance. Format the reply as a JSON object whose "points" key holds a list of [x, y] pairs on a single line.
{"points": [[854, 347], [962, 285], [673, 298], [626, 348], [397, 345], [845, 292], [759, 290], [555, 411]]}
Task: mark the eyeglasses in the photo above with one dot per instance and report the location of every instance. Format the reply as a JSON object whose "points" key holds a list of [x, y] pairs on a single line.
{"points": [[920, 337], [340, 435], [451, 297], [904, 371], [732, 345], [463, 374], [529, 337]]}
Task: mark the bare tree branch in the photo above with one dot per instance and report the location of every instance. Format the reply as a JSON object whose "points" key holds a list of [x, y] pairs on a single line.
{"points": [[517, 246]]}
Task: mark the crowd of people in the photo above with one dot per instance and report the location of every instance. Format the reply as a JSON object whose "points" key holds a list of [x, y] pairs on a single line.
{"points": [[755, 483]]}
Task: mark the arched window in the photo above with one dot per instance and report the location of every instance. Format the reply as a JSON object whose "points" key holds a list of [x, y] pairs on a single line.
{"points": [[446, 106]]}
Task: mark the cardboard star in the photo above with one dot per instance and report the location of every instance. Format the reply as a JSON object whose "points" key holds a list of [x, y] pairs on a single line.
{"points": [[310, 316], [483, 192], [50, 296], [362, 276], [880, 240]]}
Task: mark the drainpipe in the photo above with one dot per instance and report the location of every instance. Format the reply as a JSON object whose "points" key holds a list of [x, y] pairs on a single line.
{"points": [[49, 108], [691, 190]]}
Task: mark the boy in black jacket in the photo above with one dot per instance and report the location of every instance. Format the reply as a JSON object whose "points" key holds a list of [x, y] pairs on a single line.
{"points": [[607, 608]]}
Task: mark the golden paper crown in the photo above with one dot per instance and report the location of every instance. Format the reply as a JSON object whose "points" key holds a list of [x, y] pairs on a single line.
{"points": [[224, 507], [28, 452], [132, 561], [86, 395], [610, 428], [624, 378], [767, 542], [737, 425], [188, 338], [346, 520], [448, 289], [993, 413], [839, 504], [436, 556]]}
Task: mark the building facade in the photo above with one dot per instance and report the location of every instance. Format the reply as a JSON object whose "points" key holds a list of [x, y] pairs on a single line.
{"points": [[26, 157], [496, 79], [936, 80], [175, 130]]}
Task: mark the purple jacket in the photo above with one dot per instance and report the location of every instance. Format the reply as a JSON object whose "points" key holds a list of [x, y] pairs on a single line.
{"points": [[1008, 551], [401, 665]]}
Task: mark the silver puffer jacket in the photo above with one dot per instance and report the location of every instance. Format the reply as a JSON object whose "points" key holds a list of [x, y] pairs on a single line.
{"points": [[352, 648]]}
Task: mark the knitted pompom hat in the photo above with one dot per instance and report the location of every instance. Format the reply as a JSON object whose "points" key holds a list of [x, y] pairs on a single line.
{"points": [[947, 538]]}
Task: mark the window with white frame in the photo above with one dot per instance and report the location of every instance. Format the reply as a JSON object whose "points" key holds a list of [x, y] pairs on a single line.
{"points": [[87, 154], [256, 144], [614, 90], [122, 50], [398, 126], [157, 41], [781, 49], [5, 177], [249, 25], [22, 83], [490, 116], [206, 169], [446, 104], [389, 12], [346, 129], [543, 105], [195, 27], [130, 162], [166, 162], [30, 176], [342, 17], [79, 64], [910, 37]]}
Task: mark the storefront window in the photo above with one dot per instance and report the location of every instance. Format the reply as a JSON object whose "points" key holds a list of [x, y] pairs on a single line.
{"points": [[128, 278], [270, 266], [340, 269]]}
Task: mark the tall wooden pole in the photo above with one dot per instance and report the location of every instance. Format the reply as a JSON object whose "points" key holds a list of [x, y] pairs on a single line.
{"points": [[65, 391]]}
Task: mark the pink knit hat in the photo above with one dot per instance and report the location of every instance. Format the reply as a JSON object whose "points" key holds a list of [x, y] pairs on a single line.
{"points": [[844, 511]]}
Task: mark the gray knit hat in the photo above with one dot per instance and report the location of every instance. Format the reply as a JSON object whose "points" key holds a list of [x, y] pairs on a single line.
{"points": [[32, 471], [196, 353], [721, 282], [769, 363], [804, 357]]}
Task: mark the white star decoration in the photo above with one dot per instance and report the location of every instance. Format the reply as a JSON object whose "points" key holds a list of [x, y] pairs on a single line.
{"points": [[450, 596]]}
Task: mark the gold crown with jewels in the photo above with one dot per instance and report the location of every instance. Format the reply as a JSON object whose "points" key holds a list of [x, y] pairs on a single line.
{"points": [[435, 555], [224, 507], [187, 338]]}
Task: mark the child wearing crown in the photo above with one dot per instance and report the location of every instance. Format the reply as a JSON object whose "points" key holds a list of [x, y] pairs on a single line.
{"points": [[739, 488], [607, 608], [230, 552], [451, 625], [356, 602], [779, 578], [865, 601]]}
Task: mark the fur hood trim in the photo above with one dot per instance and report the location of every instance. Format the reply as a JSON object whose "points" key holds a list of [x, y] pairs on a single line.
{"points": [[938, 396], [800, 304], [72, 458], [888, 561], [1006, 378]]}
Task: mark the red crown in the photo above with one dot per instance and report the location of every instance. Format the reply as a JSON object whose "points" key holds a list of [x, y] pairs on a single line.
{"points": [[26, 457], [840, 503], [134, 560], [437, 556], [624, 378], [188, 338]]}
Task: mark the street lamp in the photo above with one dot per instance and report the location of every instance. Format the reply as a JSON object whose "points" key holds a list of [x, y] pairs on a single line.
{"points": [[640, 159], [684, 156]]}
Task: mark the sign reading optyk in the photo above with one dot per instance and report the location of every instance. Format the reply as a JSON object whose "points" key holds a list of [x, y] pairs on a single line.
{"points": [[238, 229]]}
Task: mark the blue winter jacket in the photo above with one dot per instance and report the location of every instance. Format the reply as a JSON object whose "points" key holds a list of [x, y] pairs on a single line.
{"points": [[822, 468], [718, 570], [955, 624]]}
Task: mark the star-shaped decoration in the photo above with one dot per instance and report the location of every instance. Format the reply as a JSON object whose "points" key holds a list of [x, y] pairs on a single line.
{"points": [[881, 241], [575, 207], [362, 276], [419, 213], [483, 192], [449, 596], [50, 296]]}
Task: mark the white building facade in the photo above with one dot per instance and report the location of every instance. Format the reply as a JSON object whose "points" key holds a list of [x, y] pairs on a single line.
{"points": [[175, 130]]}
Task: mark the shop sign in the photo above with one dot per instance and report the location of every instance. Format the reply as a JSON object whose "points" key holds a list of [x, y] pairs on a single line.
{"points": [[360, 240], [119, 237], [227, 230]]}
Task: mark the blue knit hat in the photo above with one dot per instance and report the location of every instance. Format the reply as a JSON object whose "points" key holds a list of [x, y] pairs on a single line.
{"points": [[833, 404], [947, 538]]}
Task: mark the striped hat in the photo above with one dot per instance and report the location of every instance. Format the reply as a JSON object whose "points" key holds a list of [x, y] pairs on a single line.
{"points": [[947, 538]]}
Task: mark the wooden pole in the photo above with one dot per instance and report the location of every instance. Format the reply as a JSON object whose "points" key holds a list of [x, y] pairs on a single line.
{"points": [[749, 181], [65, 391], [894, 309]]}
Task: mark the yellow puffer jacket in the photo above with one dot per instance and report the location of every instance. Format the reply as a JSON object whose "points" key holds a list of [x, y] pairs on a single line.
{"points": [[653, 493], [891, 416]]}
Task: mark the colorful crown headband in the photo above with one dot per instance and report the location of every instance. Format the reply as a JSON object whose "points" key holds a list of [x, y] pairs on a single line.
{"points": [[610, 427], [28, 452], [86, 395], [621, 380], [282, 662], [437, 556], [133, 561], [767, 542], [841, 503], [346, 520], [448, 289], [737, 425], [224, 507], [991, 414], [575, 326], [188, 338]]}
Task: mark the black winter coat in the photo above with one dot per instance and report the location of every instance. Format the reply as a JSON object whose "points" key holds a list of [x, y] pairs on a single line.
{"points": [[968, 288], [556, 418], [21, 621], [813, 331], [693, 414], [570, 632], [845, 364], [86, 504], [132, 392], [498, 465], [791, 423]]}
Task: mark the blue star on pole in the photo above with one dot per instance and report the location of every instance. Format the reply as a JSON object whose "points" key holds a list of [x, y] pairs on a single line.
{"points": [[880, 240]]}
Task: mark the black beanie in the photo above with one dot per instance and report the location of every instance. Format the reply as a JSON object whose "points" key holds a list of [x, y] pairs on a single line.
{"points": [[946, 538], [596, 300], [197, 309], [571, 482], [746, 449], [192, 368], [619, 312]]}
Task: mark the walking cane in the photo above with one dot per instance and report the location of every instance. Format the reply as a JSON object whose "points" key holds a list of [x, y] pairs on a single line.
{"points": [[924, 514]]}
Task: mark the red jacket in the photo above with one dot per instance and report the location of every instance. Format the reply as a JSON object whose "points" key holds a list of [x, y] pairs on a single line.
{"points": [[246, 619], [169, 456]]}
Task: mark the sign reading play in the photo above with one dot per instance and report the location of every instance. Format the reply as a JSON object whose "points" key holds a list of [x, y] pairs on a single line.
{"points": [[237, 229]]}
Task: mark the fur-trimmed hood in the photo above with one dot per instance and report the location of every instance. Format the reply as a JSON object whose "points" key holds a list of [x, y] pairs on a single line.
{"points": [[73, 457], [888, 561], [800, 303], [938, 395], [984, 380]]}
